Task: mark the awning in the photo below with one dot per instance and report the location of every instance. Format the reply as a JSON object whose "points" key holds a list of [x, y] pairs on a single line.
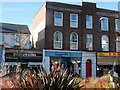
{"points": [[23, 59], [23, 51], [108, 60]]}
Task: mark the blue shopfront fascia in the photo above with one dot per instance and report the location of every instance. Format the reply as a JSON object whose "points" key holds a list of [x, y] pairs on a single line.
{"points": [[63, 54]]}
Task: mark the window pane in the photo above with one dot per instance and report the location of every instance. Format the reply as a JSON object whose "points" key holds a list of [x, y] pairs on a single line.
{"points": [[89, 41], [89, 21], [58, 40], [117, 24], [58, 36], [74, 41], [58, 15], [105, 43], [104, 23], [118, 44], [73, 17], [58, 18], [74, 20], [73, 46], [57, 45]]}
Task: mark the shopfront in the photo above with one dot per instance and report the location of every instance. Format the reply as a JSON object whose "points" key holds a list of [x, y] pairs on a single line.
{"points": [[75, 61], [62, 59], [106, 60], [21, 59]]}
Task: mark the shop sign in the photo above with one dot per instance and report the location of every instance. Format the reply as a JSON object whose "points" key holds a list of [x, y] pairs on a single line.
{"points": [[108, 54], [63, 54]]}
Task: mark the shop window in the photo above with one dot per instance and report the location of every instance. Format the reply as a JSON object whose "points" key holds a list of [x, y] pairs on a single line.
{"points": [[105, 43], [74, 41], [57, 40]]}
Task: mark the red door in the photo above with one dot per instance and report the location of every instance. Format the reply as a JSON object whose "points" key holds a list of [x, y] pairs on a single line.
{"points": [[88, 69]]}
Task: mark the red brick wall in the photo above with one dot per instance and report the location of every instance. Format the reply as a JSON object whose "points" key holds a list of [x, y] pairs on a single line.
{"points": [[87, 9]]}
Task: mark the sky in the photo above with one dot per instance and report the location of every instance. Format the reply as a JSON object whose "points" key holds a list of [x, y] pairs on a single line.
{"points": [[23, 11]]}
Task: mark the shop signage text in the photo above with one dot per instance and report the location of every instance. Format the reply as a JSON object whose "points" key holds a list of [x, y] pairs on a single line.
{"points": [[63, 54], [108, 54]]}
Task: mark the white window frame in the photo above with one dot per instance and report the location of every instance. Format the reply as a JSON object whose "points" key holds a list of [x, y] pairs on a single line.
{"points": [[73, 44], [58, 21], [89, 22], [74, 23], [103, 22], [89, 44], [117, 23], [58, 43], [118, 44], [105, 43]]}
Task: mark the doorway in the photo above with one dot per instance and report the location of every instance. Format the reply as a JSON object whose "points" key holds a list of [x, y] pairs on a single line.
{"points": [[88, 68]]}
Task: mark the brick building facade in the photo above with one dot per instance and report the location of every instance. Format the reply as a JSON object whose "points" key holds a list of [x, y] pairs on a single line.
{"points": [[82, 11], [65, 27]]}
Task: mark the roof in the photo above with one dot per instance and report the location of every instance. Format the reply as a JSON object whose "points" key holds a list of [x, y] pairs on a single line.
{"points": [[14, 28]]}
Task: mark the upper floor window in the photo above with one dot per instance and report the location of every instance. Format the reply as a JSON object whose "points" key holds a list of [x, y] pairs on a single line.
{"points": [[57, 40], [74, 41], [89, 41], [117, 25], [118, 44], [58, 19], [74, 20], [89, 22], [104, 23], [105, 43]]}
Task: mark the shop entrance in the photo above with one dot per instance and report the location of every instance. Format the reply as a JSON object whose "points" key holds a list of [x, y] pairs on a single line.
{"points": [[72, 65]]}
